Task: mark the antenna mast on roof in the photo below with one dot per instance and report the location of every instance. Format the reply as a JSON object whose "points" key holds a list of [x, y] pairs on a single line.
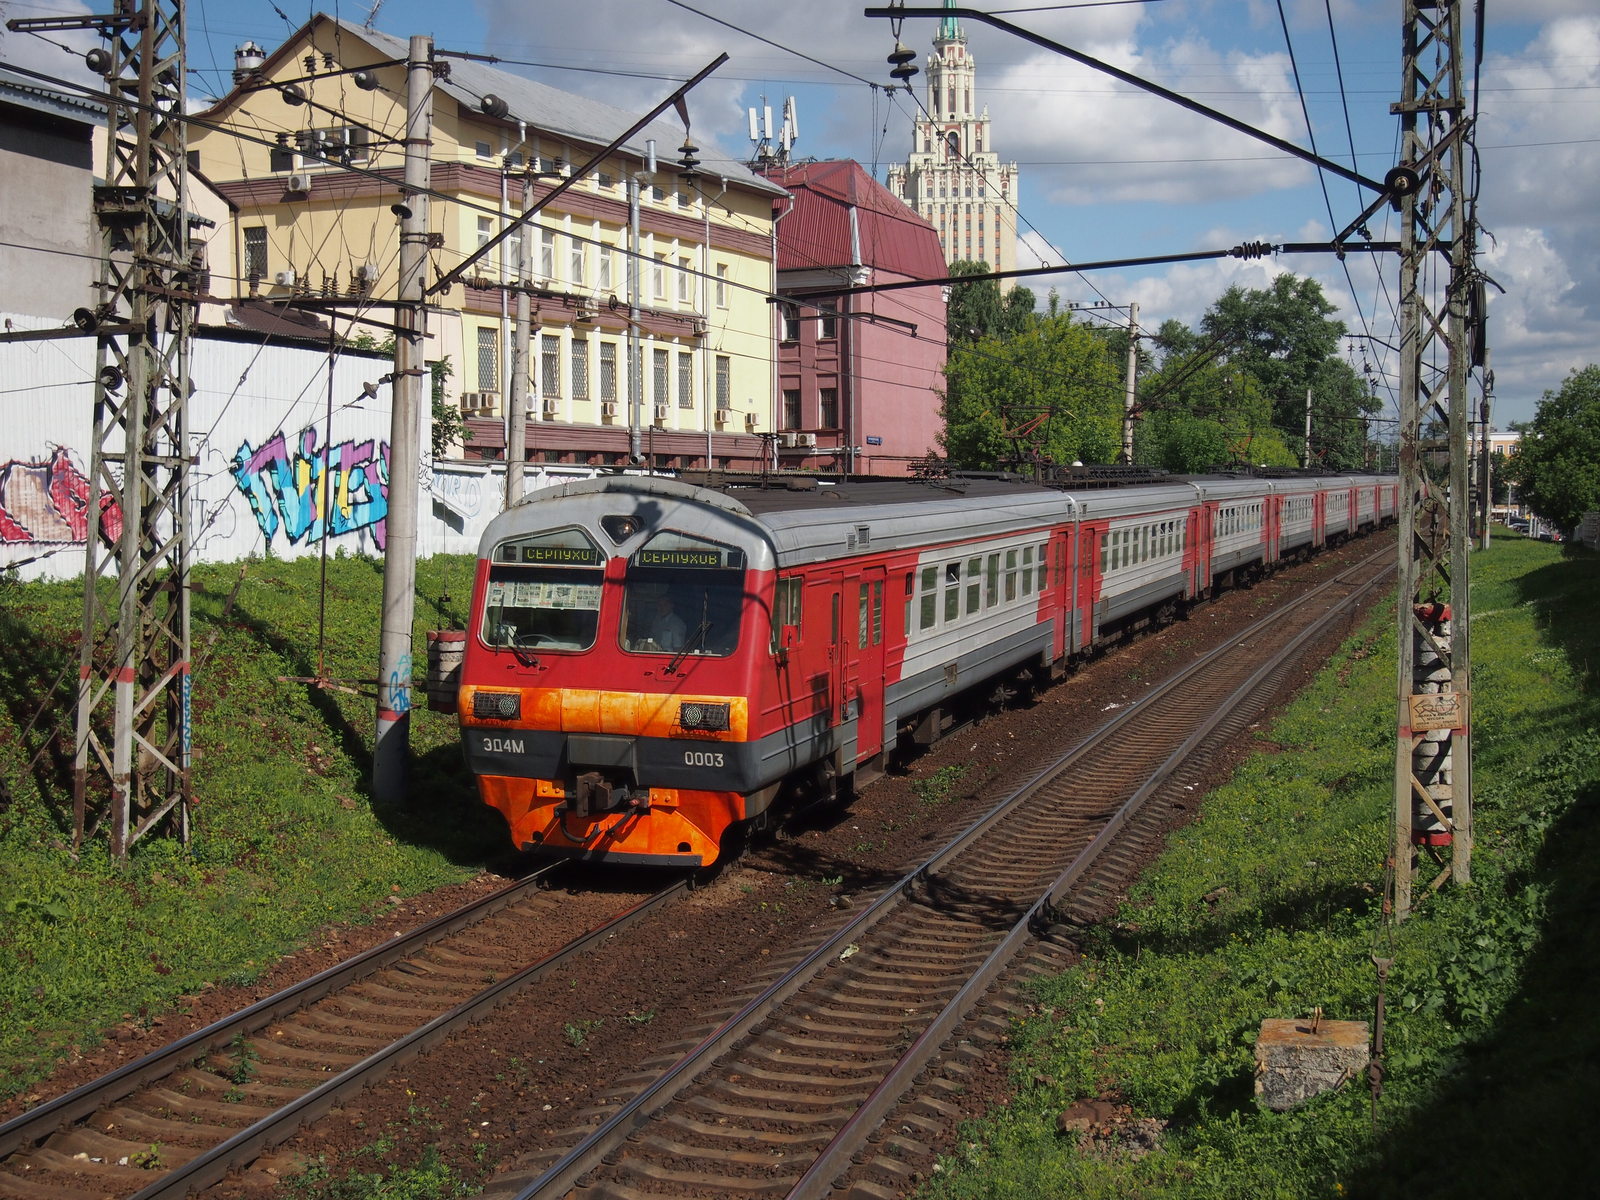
{"points": [[769, 150]]}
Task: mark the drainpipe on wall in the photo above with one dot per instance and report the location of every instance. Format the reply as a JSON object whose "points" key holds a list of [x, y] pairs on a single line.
{"points": [[773, 332], [707, 379], [635, 349]]}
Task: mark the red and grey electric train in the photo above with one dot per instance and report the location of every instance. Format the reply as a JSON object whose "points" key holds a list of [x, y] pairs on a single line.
{"points": [[651, 662]]}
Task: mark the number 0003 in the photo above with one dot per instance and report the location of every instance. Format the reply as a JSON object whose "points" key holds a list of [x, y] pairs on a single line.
{"points": [[702, 758]]}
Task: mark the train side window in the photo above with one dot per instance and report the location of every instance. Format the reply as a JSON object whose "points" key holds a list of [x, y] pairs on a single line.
{"points": [[861, 616], [1011, 574], [930, 597], [833, 614], [952, 592], [991, 589], [1027, 570], [911, 591], [974, 586], [785, 609], [877, 612]]}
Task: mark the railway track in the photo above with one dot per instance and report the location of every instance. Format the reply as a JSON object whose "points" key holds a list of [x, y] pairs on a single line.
{"points": [[777, 1094], [181, 1118], [781, 1098]]}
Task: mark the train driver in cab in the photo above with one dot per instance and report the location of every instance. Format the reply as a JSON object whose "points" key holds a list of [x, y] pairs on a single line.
{"points": [[656, 624]]}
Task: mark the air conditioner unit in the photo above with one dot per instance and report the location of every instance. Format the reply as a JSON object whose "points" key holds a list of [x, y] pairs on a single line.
{"points": [[608, 408], [787, 440], [477, 401], [751, 420], [283, 279], [552, 405], [806, 440], [724, 415], [661, 412], [298, 182]]}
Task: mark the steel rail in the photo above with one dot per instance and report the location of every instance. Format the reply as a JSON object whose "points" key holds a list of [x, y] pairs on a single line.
{"points": [[564, 1174], [39, 1123], [206, 1169], [835, 1158]]}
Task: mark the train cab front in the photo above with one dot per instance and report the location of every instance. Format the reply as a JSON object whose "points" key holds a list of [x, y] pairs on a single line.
{"points": [[605, 687]]}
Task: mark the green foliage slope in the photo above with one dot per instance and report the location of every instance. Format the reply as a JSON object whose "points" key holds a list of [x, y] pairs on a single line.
{"points": [[285, 838], [1269, 906]]}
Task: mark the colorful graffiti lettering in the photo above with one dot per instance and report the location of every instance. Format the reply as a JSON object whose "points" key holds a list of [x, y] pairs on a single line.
{"points": [[291, 491], [48, 502]]}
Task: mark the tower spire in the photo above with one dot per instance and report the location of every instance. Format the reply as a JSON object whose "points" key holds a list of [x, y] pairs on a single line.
{"points": [[949, 31]]}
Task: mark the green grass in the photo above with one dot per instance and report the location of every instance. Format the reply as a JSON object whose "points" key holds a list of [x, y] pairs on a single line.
{"points": [[286, 836], [1269, 906]]}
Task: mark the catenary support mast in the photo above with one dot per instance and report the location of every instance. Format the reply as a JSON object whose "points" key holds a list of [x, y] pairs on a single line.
{"points": [[1433, 766], [131, 764], [391, 751]]}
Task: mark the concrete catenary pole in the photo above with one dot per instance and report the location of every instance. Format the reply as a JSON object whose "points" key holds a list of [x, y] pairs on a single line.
{"points": [[517, 392], [1133, 383], [391, 750]]}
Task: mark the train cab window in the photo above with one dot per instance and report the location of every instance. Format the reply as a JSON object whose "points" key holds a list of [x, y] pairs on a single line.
{"points": [[543, 593], [683, 595]]}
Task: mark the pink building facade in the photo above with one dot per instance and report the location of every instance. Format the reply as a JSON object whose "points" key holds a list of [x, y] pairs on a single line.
{"points": [[859, 375]]}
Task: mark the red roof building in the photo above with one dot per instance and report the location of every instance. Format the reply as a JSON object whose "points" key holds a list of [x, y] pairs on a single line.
{"points": [[859, 376]]}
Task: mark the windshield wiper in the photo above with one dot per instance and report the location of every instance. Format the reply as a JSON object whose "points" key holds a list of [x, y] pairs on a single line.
{"points": [[689, 643]]}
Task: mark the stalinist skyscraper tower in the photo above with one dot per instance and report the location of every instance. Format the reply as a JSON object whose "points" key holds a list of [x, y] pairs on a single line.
{"points": [[954, 179]]}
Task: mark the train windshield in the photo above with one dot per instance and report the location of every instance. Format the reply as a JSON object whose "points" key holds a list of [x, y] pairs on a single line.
{"points": [[544, 592], [683, 595]]}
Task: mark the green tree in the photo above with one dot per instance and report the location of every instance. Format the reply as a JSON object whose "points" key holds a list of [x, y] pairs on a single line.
{"points": [[448, 424], [1284, 337], [1052, 393], [979, 309], [1556, 466]]}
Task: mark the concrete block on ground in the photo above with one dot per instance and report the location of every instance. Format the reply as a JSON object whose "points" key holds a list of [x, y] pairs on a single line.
{"points": [[1296, 1060]]}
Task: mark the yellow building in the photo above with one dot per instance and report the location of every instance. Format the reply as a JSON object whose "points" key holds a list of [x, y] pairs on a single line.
{"points": [[663, 268]]}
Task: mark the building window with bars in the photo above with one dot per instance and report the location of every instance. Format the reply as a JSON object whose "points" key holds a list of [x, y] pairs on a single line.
{"points": [[255, 251], [488, 358], [685, 379], [724, 381], [791, 408], [580, 368], [550, 364], [658, 381], [608, 370], [828, 406]]}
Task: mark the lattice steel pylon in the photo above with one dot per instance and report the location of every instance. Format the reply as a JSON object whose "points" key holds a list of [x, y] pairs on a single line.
{"points": [[1433, 766], [131, 770]]}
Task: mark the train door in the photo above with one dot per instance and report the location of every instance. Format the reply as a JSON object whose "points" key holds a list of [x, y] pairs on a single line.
{"points": [[861, 644], [1200, 524], [1086, 590]]}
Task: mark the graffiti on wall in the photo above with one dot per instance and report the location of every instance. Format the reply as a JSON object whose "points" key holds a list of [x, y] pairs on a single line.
{"points": [[47, 501], [287, 490]]}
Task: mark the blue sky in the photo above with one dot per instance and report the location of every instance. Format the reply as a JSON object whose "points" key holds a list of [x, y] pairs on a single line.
{"points": [[1107, 173]]}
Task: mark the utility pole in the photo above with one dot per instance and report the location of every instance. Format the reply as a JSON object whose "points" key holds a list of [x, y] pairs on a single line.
{"points": [[1433, 776], [131, 767], [1305, 456], [517, 418], [391, 749], [1133, 383]]}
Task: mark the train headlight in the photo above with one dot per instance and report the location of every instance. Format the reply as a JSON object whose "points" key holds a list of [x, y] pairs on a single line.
{"points": [[497, 706], [712, 718]]}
